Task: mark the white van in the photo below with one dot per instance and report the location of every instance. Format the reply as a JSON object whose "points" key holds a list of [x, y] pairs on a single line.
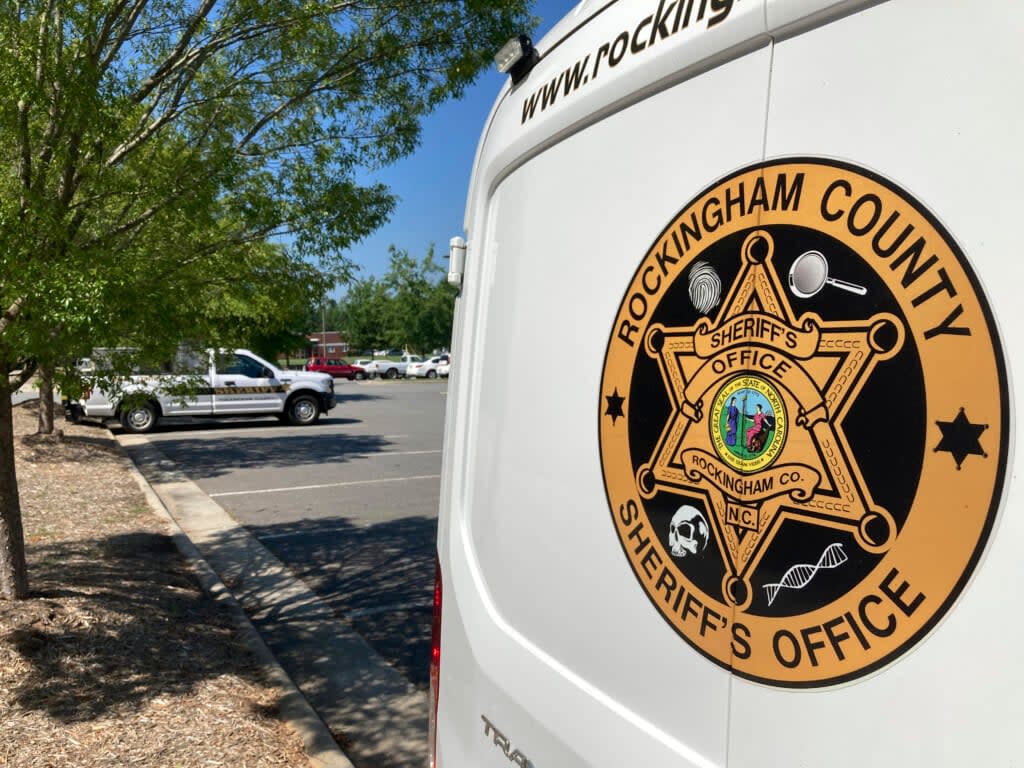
{"points": [[766, 518]]}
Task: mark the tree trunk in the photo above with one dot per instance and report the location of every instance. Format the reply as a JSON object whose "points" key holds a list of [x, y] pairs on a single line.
{"points": [[45, 422], [13, 570]]}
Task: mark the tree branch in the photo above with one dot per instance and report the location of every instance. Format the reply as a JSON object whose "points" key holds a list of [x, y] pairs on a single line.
{"points": [[107, 29], [174, 57], [25, 166], [12, 312], [28, 369]]}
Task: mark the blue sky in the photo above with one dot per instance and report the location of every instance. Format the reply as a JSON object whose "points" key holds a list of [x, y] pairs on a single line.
{"points": [[432, 183]]}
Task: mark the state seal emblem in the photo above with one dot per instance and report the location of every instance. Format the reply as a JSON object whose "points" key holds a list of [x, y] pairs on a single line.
{"points": [[803, 422]]}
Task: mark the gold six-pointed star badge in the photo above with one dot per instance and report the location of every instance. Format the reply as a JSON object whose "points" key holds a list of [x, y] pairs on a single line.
{"points": [[776, 366], [803, 391]]}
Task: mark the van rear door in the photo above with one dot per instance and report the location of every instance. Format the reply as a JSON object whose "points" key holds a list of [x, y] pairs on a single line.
{"points": [[917, 105], [550, 649]]}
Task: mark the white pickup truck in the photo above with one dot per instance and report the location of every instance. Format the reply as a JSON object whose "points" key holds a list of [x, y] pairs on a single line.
{"points": [[392, 369], [229, 383]]}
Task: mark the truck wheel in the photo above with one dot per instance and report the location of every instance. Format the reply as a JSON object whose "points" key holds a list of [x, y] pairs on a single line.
{"points": [[73, 413], [360, 376], [302, 410], [139, 419], [392, 373], [431, 374]]}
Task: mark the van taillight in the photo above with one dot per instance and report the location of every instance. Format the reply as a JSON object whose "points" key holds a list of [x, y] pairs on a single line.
{"points": [[435, 664]]}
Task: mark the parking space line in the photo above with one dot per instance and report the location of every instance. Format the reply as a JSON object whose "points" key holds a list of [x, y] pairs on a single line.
{"points": [[325, 485]]}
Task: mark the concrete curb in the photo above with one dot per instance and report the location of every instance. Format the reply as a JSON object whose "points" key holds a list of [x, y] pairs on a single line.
{"points": [[321, 748]]}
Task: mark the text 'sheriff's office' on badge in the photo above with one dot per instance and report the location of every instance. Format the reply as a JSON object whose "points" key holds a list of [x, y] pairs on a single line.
{"points": [[803, 422]]}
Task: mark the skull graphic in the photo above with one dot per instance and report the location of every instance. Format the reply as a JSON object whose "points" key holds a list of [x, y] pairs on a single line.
{"points": [[688, 532]]}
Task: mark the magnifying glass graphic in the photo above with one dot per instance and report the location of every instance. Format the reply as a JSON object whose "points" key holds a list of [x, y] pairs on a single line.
{"points": [[809, 274]]}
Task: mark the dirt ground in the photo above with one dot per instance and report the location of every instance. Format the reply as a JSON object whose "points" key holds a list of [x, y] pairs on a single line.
{"points": [[118, 658]]}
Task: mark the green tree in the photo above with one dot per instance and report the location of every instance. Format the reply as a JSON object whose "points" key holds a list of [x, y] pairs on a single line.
{"points": [[425, 300], [363, 314], [262, 305], [410, 307], [438, 315], [154, 146], [408, 284]]}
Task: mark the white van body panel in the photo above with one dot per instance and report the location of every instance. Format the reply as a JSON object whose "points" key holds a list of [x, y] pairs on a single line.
{"points": [[783, 17], [551, 653], [937, 97], [534, 221]]}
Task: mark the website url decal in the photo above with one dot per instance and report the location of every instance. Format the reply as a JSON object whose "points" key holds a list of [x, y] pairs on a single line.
{"points": [[671, 17]]}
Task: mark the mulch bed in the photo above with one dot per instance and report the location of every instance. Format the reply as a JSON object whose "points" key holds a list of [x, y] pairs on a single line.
{"points": [[118, 658]]}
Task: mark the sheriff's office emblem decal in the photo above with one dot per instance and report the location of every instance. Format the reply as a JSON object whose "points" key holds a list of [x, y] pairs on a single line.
{"points": [[803, 422]]}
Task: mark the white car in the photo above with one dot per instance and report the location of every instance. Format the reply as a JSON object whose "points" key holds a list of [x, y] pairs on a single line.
{"points": [[369, 367], [421, 369]]}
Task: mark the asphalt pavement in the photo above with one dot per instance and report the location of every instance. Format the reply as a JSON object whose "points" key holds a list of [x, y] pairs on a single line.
{"points": [[326, 536]]}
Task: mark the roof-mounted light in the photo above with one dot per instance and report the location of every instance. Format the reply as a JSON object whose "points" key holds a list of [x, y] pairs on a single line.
{"points": [[517, 57]]}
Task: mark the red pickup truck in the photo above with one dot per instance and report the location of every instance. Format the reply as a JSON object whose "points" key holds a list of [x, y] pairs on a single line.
{"points": [[337, 368]]}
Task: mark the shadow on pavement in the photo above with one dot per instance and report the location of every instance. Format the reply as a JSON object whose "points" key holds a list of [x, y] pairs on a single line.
{"points": [[352, 397], [216, 456], [352, 628], [377, 578]]}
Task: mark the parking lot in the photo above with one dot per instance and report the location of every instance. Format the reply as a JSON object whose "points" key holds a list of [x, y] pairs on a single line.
{"points": [[349, 505]]}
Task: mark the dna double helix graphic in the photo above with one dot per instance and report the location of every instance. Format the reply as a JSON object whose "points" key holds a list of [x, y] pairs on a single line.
{"points": [[799, 576]]}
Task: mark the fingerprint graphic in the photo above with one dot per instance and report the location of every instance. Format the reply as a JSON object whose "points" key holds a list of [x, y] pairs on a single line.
{"points": [[799, 576], [705, 287]]}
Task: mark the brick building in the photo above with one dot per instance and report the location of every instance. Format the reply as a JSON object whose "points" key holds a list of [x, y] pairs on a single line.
{"points": [[326, 344]]}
